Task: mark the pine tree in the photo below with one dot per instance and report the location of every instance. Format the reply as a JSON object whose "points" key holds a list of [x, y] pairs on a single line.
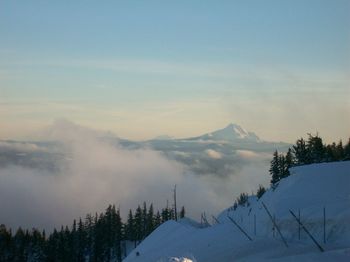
{"points": [[282, 167], [150, 220], [242, 199], [165, 214], [130, 227], [274, 168], [144, 220], [330, 153], [260, 192], [157, 220], [315, 149], [347, 150], [118, 234], [5, 243], [138, 224], [89, 227], [289, 160], [20, 246], [301, 152], [340, 151], [81, 238], [182, 212]]}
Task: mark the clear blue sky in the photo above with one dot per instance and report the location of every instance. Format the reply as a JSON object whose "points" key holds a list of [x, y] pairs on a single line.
{"points": [[145, 68]]}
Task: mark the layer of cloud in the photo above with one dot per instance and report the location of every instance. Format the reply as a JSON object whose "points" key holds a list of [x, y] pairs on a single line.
{"points": [[213, 154], [97, 173]]}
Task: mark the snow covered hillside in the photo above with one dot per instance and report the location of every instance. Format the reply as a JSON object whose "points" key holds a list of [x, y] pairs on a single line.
{"points": [[310, 189]]}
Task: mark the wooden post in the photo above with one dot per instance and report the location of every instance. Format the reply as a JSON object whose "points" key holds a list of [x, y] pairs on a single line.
{"points": [[175, 208], [307, 232], [216, 220], [299, 224], [254, 225], [324, 225], [205, 220], [241, 229], [275, 225]]}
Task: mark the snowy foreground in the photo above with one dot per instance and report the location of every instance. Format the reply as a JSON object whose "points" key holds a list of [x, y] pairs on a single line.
{"points": [[310, 189]]}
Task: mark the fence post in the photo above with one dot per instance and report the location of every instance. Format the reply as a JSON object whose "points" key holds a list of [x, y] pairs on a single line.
{"points": [[275, 225], [307, 232], [216, 220], [299, 224], [324, 225], [240, 228], [254, 225]]}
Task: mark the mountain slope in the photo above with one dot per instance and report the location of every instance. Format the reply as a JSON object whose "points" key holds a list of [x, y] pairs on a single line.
{"points": [[310, 189]]}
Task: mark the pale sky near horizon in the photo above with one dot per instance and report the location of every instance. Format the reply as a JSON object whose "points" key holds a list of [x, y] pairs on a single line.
{"points": [[181, 68]]}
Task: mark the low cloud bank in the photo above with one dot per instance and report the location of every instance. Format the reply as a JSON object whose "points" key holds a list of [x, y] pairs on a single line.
{"points": [[96, 173]]}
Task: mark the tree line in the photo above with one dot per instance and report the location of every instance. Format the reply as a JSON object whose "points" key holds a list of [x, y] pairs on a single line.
{"points": [[305, 152], [99, 237]]}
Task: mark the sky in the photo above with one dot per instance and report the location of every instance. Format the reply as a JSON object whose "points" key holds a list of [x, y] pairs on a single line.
{"points": [[181, 68]]}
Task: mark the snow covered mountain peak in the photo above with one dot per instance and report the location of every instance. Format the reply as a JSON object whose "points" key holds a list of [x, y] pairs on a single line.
{"points": [[232, 132], [238, 130]]}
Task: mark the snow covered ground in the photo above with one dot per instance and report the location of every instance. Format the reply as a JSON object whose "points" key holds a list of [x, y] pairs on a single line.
{"points": [[310, 189]]}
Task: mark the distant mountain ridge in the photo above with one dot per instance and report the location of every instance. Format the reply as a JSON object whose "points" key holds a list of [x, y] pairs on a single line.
{"points": [[218, 152]]}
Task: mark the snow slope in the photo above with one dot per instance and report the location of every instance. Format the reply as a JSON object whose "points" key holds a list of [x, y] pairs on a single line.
{"points": [[310, 189]]}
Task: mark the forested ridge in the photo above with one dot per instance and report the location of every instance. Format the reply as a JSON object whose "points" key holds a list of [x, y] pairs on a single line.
{"points": [[99, 237], [305, 152]]}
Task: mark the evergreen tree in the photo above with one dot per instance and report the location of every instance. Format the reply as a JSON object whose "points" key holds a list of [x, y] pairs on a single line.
{"points": [[275, 168], [138, 225], [166, 214], [289, 160], [130, 227], [5, 243], [182, 212], [331, 152], [282, 167], [144, 220], [301, 152], [315, 149], [340, 151], [242, 199], [157, 220], [347, 150], [81, 238], [20, 243], [118, 234], [150, 220], [260, 192], [89, 229], [109, 227]]}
